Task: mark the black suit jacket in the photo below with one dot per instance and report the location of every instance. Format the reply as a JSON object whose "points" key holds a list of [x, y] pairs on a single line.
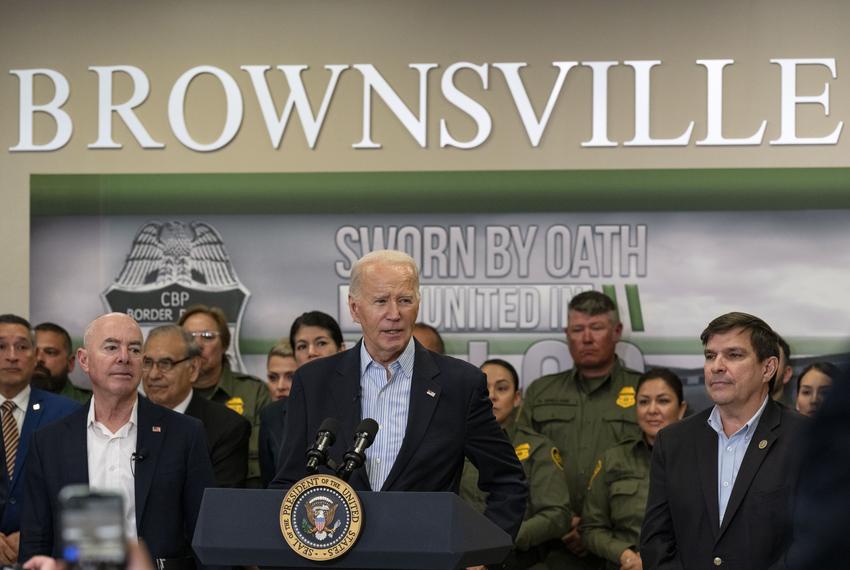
{"points": [[681, 529], [822, 516], [272, 420], [169, 481], [227, 440], [450, 416]]}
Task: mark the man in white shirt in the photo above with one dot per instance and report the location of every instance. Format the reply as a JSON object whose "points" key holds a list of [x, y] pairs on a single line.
{"points": [[154, 457]]}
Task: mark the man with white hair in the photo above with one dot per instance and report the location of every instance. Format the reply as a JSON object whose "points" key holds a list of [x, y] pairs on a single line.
{"points": [[155, 458], [432, 410]]}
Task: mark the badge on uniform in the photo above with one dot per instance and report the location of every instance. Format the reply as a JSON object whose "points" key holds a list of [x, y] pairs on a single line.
{"points": [[236, 404], [522, 451], [626, 397]]}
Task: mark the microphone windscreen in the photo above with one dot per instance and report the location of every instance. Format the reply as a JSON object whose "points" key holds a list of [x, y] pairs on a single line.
{"points": [[330, 425], [369, 427]]}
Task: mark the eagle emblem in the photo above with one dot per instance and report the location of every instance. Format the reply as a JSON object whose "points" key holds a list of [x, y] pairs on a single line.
{"points": [[320, 514], [190, 254], [171, 266]]}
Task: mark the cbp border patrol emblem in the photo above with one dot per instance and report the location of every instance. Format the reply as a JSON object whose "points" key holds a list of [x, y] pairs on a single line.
{"points": [[172, 265], [321, 517]]}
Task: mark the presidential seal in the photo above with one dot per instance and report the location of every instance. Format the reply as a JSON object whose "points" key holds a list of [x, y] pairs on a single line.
{"points": [[320, 517]]}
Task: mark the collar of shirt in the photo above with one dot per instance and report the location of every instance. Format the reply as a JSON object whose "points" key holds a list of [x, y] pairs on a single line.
{"points": [[22, 399], [22, 402], [590, 385], [181, 407], [123, 431], [716, 423], [404, 361]]}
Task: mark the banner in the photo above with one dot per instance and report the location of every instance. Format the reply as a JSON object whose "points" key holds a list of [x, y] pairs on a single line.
{"points": [[494, 284]]}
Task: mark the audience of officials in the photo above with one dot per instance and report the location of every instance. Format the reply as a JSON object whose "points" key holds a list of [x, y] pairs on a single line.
{"points": [[313, 335], [593, 442], [217, 381], [616, 499], [547, 513], [155, 458]]}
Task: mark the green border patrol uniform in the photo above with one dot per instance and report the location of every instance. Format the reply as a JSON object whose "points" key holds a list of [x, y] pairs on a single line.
{"points": [[75, 393], [616, 501], [547, 514], [246, 395], [583, 417]]}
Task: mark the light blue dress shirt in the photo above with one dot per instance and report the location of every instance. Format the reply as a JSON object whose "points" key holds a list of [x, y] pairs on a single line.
{"points": [[387, 401], [730, 453]]}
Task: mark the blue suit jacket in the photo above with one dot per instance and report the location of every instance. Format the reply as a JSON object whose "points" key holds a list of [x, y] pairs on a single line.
{"points": [[43, 408], [450, 417], [169, 481]]}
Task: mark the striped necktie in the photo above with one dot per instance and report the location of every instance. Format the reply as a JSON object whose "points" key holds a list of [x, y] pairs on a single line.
{"points": [[11, 437]]}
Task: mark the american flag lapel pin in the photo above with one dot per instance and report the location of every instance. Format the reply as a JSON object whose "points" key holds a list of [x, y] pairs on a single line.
{"points": [[431, 393], [156, 429]]}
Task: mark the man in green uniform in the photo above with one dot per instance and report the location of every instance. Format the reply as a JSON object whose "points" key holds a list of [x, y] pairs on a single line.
{"points": [[586, 410], [54, 362], [616, 501], [547, 515], [242, 393]]}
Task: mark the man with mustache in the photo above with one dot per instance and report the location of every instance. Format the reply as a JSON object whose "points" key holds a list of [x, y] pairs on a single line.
{"points": [[54, 362], [23, 409], [723, 482]]}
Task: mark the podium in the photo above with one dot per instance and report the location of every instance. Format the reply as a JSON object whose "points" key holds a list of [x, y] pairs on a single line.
{"points": [[423, 531]]}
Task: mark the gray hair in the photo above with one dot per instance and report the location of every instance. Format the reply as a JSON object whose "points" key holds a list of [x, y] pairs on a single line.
{"points": [[192, 348], [383, 256]]}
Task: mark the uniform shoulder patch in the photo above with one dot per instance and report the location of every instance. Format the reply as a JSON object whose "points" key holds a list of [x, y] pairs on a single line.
{"points": [[626, 397], [556, 458], [237, 405], [596, 469], [522, 451]]}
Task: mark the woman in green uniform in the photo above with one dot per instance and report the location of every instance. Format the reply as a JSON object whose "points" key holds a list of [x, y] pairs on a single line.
{"points": [[617, 492], [547, 515]]}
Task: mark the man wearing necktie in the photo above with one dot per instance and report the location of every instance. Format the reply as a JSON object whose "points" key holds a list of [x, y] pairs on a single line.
{"points": [[23, 409]]}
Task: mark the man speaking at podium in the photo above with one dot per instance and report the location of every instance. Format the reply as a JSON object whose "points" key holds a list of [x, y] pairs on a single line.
{"points": [[432, 410]]}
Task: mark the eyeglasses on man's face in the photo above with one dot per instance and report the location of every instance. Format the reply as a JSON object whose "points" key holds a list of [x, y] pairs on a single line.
{"points": [[164, 364]]}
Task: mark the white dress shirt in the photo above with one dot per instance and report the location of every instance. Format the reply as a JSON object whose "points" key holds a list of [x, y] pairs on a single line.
{"points": [[181, 407], [111, 463]]}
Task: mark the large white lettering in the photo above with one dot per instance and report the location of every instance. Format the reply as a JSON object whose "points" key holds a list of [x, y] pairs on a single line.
{"points": [[27, 108]]}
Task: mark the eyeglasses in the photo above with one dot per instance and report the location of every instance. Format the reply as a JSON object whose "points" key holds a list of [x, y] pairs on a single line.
{"points": [[205, 336], [164, 364]]}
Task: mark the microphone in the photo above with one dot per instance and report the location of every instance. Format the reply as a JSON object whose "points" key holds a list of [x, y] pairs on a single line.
{"points": [[318, 454], [138, 456], [364, 435]]}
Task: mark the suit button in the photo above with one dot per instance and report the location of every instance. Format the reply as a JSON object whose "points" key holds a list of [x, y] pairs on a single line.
{"points": [[13, 500], [718, 561]]}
